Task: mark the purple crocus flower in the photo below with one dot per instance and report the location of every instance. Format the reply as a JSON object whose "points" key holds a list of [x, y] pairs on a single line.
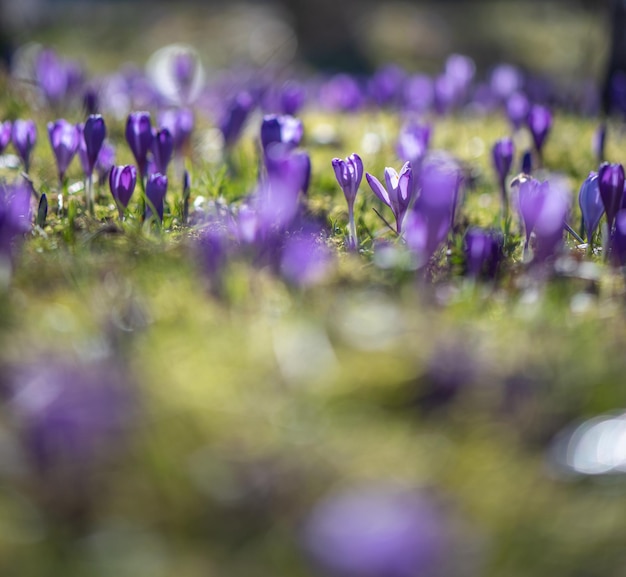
{"points": [[413, 142], [51, 75], [502, 154], [483, 251], [505, 81], [292, 97], [341, 93], [377, 531], [162, 149], [385, 86], [527, 163], [5, 134], [618, 240], [64, 141], [122, 181], [349, 173], [539, 123], [284, 164], [139, 138], [106, 160], [398, 193], [232, 122], [551, 221], [94, 133], [24, 137], [591, 205], [15, 218], [611, 185], [156, 189], [180, 123], [285, 130], [530, 197], [517, 108]]}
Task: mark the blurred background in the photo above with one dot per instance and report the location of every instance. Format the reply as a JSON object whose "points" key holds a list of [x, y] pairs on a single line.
{"points": [[552, 37]]}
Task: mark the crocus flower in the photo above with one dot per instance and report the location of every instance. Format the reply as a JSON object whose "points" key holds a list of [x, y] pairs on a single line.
{"points": [[341, 93], [551, 221], [517, 108], [24, 137], [413, 142], [285, 130], [398, 193], [51, 76], [292, 98], [64, 141], [5, 134], [377, 531], [122, 181], [156, 189], [94, 133], [139, 138], [349, 173], [419, 93], [527, 163], [232, 122], [505, 81], [106, 159], [385, 85], [611, 185], [618, 240], [15, 218], [539, 123], [502, 154], [180, 123], [305, 260], [483, 251], [162, 149], [530, 197], [591, 205]]}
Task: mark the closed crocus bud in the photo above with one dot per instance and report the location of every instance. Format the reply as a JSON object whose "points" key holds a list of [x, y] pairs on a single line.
{"points": [[139, 138], [234, 119], [122, 181], [483, 250], [162, 149], [24, 137], [611, 185], [618, 241], [180, 123], [517, 107], [94, 133], [397, 194], [285, 130], [530, 197], [502, 154], [156, 189], [551, 221], [539, 123], [349, 173], [64, 142], [527, 163], [5, 134], [292, 97], [377, 531], [413, 142], [591, 205], [15, 218]]}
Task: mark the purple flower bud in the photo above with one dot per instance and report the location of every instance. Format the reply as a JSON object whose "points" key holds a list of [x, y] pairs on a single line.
{"points": [[5, 134], [139, 138], [64, 141], [550, 222], [122, 181], [505, 81], [24, 137], [184, 68], [517, 108], [292, 97], [413, 143], [94, 133], [233, 121], [618, 240], [530, 198], [285, 130], [527, 163], [591, 205], [162, 149], [156, 189], [349, 173], [51, 76], [502, 154], [398, 193], [291, 167], [483, 251], [342, 93], [180, 123], [15, 217], [377, 531], [91, 100], [106, 159], [611, 185], [539, 123]]}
